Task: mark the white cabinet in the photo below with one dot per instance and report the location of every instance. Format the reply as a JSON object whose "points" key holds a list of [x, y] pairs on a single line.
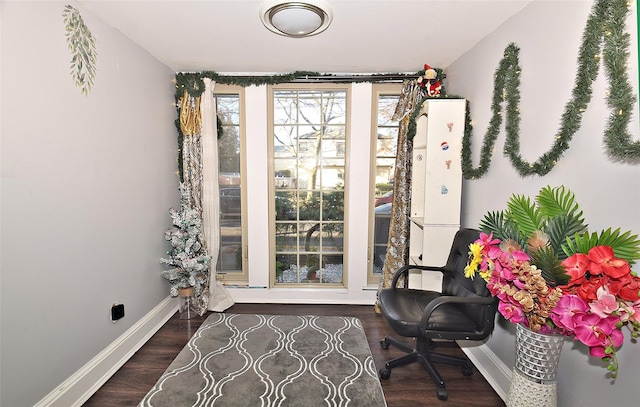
{"points": [[436, 186]]}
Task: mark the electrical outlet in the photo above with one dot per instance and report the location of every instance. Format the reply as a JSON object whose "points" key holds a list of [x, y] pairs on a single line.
{"points": [[117, 312]]}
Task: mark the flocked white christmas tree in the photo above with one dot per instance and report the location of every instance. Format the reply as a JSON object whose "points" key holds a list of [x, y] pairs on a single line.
{"points": [[189, 261]]}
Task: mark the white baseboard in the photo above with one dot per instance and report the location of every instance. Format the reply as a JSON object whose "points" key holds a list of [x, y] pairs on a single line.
{"points": [[497, 374], [80, 386]]}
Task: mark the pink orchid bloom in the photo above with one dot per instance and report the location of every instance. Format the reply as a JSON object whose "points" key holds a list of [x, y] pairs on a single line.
{"points": [[504, 270], [519, 255], [635, 316], [521, 285], [594, 331], [605, 305], [511, 312], [600, 351], [629, 312], [567, 308], [488, 240], [492, 252]]}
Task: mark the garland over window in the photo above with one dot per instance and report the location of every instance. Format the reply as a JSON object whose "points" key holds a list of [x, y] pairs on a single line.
{"points": [[193, 83], [604, 37], [604, 33]]}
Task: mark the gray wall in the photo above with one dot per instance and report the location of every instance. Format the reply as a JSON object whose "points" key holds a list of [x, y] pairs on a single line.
{"points": [[549, 34], [87, 182]]}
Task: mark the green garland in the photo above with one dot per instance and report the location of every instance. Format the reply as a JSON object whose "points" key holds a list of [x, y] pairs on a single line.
{"points": [[193, 82], [605, 25]]}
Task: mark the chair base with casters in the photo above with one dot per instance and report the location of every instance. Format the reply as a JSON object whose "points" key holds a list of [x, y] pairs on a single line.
{"points": [[464, 310], [422, 354]]}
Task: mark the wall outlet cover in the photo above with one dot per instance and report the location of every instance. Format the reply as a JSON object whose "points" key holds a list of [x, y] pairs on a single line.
{"points": [[117, 312]]}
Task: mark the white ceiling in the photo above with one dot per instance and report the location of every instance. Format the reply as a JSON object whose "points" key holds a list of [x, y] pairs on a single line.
{"points": [[366, 36]]}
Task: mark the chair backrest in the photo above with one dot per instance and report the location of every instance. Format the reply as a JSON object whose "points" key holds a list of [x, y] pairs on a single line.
{"points": [[455, 283]]}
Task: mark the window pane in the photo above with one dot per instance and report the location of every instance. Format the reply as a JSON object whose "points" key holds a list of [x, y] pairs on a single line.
{"points": [[286, 236], [386, 140], [230, 259], [285, 141], [309, 206], [333, 207], [286, 205], [285, 173], [309, 167]]}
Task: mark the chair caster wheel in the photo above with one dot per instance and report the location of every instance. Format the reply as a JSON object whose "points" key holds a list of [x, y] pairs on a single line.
{"points": [[384, 344], [467, 371], [442, 393], [384, 373]]}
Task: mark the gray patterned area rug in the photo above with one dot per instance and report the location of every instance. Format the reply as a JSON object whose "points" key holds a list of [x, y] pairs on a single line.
{"points": [[240, 360]]}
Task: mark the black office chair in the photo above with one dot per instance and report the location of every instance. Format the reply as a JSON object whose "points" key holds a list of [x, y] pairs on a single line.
{"points": [[463, 310]]}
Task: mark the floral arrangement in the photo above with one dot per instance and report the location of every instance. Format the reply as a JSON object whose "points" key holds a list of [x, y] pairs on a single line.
{"points": [[553, 276]]}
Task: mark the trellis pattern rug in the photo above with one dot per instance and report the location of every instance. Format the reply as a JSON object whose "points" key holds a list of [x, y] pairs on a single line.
{"points": [[271, 360]]}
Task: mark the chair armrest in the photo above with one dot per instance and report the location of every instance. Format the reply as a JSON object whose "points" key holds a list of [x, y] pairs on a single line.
{"points": [[405, 271], [447, 299]]}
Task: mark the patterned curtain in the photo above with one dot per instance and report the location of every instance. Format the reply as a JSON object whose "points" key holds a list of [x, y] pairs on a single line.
{"points": [[200, 177], [398, 243], [191, 127]]}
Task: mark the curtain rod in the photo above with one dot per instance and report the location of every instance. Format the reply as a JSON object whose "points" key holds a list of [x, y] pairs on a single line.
{"points": [[343, 78], [355, 78]]}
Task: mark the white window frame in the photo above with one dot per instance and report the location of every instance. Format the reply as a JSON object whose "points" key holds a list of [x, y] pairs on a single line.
{"points": [[271, 185], [243, 276]]}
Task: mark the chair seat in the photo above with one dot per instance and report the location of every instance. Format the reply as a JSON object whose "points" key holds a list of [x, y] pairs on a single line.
{"points": [[403, 310]]}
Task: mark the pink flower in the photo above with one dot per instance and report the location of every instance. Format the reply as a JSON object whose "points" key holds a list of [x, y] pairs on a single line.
{"points": [[511, 312], [629, 312], [568, 306], [605, 305], [520, 255], [594, 331], [615, 339], [634, 311], [488, 240]]}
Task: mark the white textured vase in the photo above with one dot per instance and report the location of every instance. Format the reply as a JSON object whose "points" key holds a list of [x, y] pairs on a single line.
{"points": [[533, 382]]}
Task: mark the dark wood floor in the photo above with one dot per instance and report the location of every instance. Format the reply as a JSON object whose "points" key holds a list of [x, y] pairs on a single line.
{"points": [[407, 386]]}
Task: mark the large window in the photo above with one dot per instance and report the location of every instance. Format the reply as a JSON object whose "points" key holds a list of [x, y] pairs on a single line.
{"points": [[385, 141], [231, 259], [308, 142]]}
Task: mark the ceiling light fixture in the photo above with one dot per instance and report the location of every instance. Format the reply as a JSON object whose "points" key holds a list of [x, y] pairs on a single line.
{"points": [[296, 19]]}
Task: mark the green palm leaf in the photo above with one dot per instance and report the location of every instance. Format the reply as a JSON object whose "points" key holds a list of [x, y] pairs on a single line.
{"points": [[625, 246], [557, 201], [547, 261], [503, 229], [563, 227], [523, 212], [555, 212]]}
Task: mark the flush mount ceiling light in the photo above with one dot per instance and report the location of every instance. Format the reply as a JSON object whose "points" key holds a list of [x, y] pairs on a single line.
{"points": [[296, 18]]}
